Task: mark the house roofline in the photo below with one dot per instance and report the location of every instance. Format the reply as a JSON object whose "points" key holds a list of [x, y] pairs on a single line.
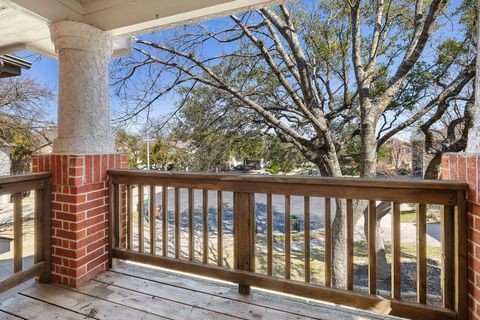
{"points": [[11, 66]]}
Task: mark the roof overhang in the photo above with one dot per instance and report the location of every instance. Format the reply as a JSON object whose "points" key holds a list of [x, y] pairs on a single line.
{"points": [[11, 66], [24, 23]]}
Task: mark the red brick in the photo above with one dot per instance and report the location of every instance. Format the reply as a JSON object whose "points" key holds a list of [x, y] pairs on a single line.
{"points": [[462, 168], [97, 211], [90, 205], [98, 227], [453, 167], [472, 177], [80, 232], [88, 169], [96, 168], [98, 194], [104, 164], [111, 161]]}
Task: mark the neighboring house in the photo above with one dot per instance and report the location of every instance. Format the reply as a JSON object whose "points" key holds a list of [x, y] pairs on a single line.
{"points": [[5, 165], [400, 154], [10, 66]]}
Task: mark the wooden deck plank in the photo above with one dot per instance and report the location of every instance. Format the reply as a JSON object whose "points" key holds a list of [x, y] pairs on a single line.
{"points": [[162, 307], [312, 309], [137, 292], [296, 305], [6, 316], [87, 305], [28, 308], [210, 302]]}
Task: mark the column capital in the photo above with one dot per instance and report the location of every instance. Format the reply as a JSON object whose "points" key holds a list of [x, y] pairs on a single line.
{"points": [[80, 36]]}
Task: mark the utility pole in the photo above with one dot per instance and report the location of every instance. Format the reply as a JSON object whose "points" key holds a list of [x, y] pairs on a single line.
{"points": [[148, 151]]}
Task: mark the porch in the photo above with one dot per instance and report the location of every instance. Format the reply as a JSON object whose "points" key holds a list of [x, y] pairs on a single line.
{"points": [[129, 291], [216, 235], [89, 212]]}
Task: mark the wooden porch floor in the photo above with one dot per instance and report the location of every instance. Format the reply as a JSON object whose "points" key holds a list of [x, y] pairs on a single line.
{"points": [[133, 292]]}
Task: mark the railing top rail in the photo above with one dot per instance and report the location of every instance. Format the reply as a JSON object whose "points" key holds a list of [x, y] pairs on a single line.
{"points": [[23, 182], [24, 177], [313, 181]]}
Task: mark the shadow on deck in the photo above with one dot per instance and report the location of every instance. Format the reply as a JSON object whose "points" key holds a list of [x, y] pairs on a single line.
{"points": [[134, 292]]}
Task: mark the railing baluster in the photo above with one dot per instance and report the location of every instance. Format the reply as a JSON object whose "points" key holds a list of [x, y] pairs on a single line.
{"points": [[153, 220], [111, 218], [38, 225], [178, 243], [306, 222], [117, 219], [328, 243], [219, 228], [421, 253], [460, 261], [141, 219], [396, 289], [269, 235], [47, 231], [17, 232], [191, 226], [129, 218], [349, 244], [372, 254], [205, 224], [287, 237], [164, 221], [447, 225]]}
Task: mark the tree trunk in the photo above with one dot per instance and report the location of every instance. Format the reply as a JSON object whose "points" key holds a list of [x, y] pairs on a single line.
{"points": [[368, 160], [433, 168], [383, 269], [369, 170], [339, 254]]}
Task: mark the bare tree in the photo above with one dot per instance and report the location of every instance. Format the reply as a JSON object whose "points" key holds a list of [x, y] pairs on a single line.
{"points": [[289, 70], [24, 118]]}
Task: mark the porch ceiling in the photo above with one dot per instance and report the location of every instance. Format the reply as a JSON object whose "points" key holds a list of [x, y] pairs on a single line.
{"points": [[24, 23]]}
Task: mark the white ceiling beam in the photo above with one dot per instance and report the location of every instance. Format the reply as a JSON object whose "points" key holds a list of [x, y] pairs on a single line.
{"points": [[49, 10], [133, 17], [121, 18]]}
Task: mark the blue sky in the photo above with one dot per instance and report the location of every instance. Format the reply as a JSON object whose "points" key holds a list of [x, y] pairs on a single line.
{"points": [[45, 69]]}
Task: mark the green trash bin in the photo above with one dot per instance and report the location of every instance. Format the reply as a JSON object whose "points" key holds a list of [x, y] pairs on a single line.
{"points": [[294, 223]]}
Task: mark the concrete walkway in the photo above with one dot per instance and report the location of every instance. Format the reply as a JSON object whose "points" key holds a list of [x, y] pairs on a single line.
{"points": [[408, 231]]}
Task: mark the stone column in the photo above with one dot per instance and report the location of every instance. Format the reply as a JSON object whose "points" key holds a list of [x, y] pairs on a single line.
{"points": [[82, 154], [83, 97]]}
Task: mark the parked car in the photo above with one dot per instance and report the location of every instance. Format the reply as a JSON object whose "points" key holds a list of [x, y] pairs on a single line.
{"points": [[241, 167]]}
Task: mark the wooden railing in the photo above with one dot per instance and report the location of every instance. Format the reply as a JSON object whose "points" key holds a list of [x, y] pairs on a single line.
{"points": [[17, 187], [128, 245]]}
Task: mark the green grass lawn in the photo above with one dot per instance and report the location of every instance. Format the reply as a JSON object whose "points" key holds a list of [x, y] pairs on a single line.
{"points": [[407, 216]]}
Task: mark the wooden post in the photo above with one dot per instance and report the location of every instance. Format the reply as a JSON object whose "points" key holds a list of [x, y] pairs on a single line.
{"points": [[110, 221], [244, 233]]}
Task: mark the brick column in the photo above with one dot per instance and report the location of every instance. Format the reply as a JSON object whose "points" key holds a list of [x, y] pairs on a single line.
{"points": [[466, 167], [80, 207]]}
